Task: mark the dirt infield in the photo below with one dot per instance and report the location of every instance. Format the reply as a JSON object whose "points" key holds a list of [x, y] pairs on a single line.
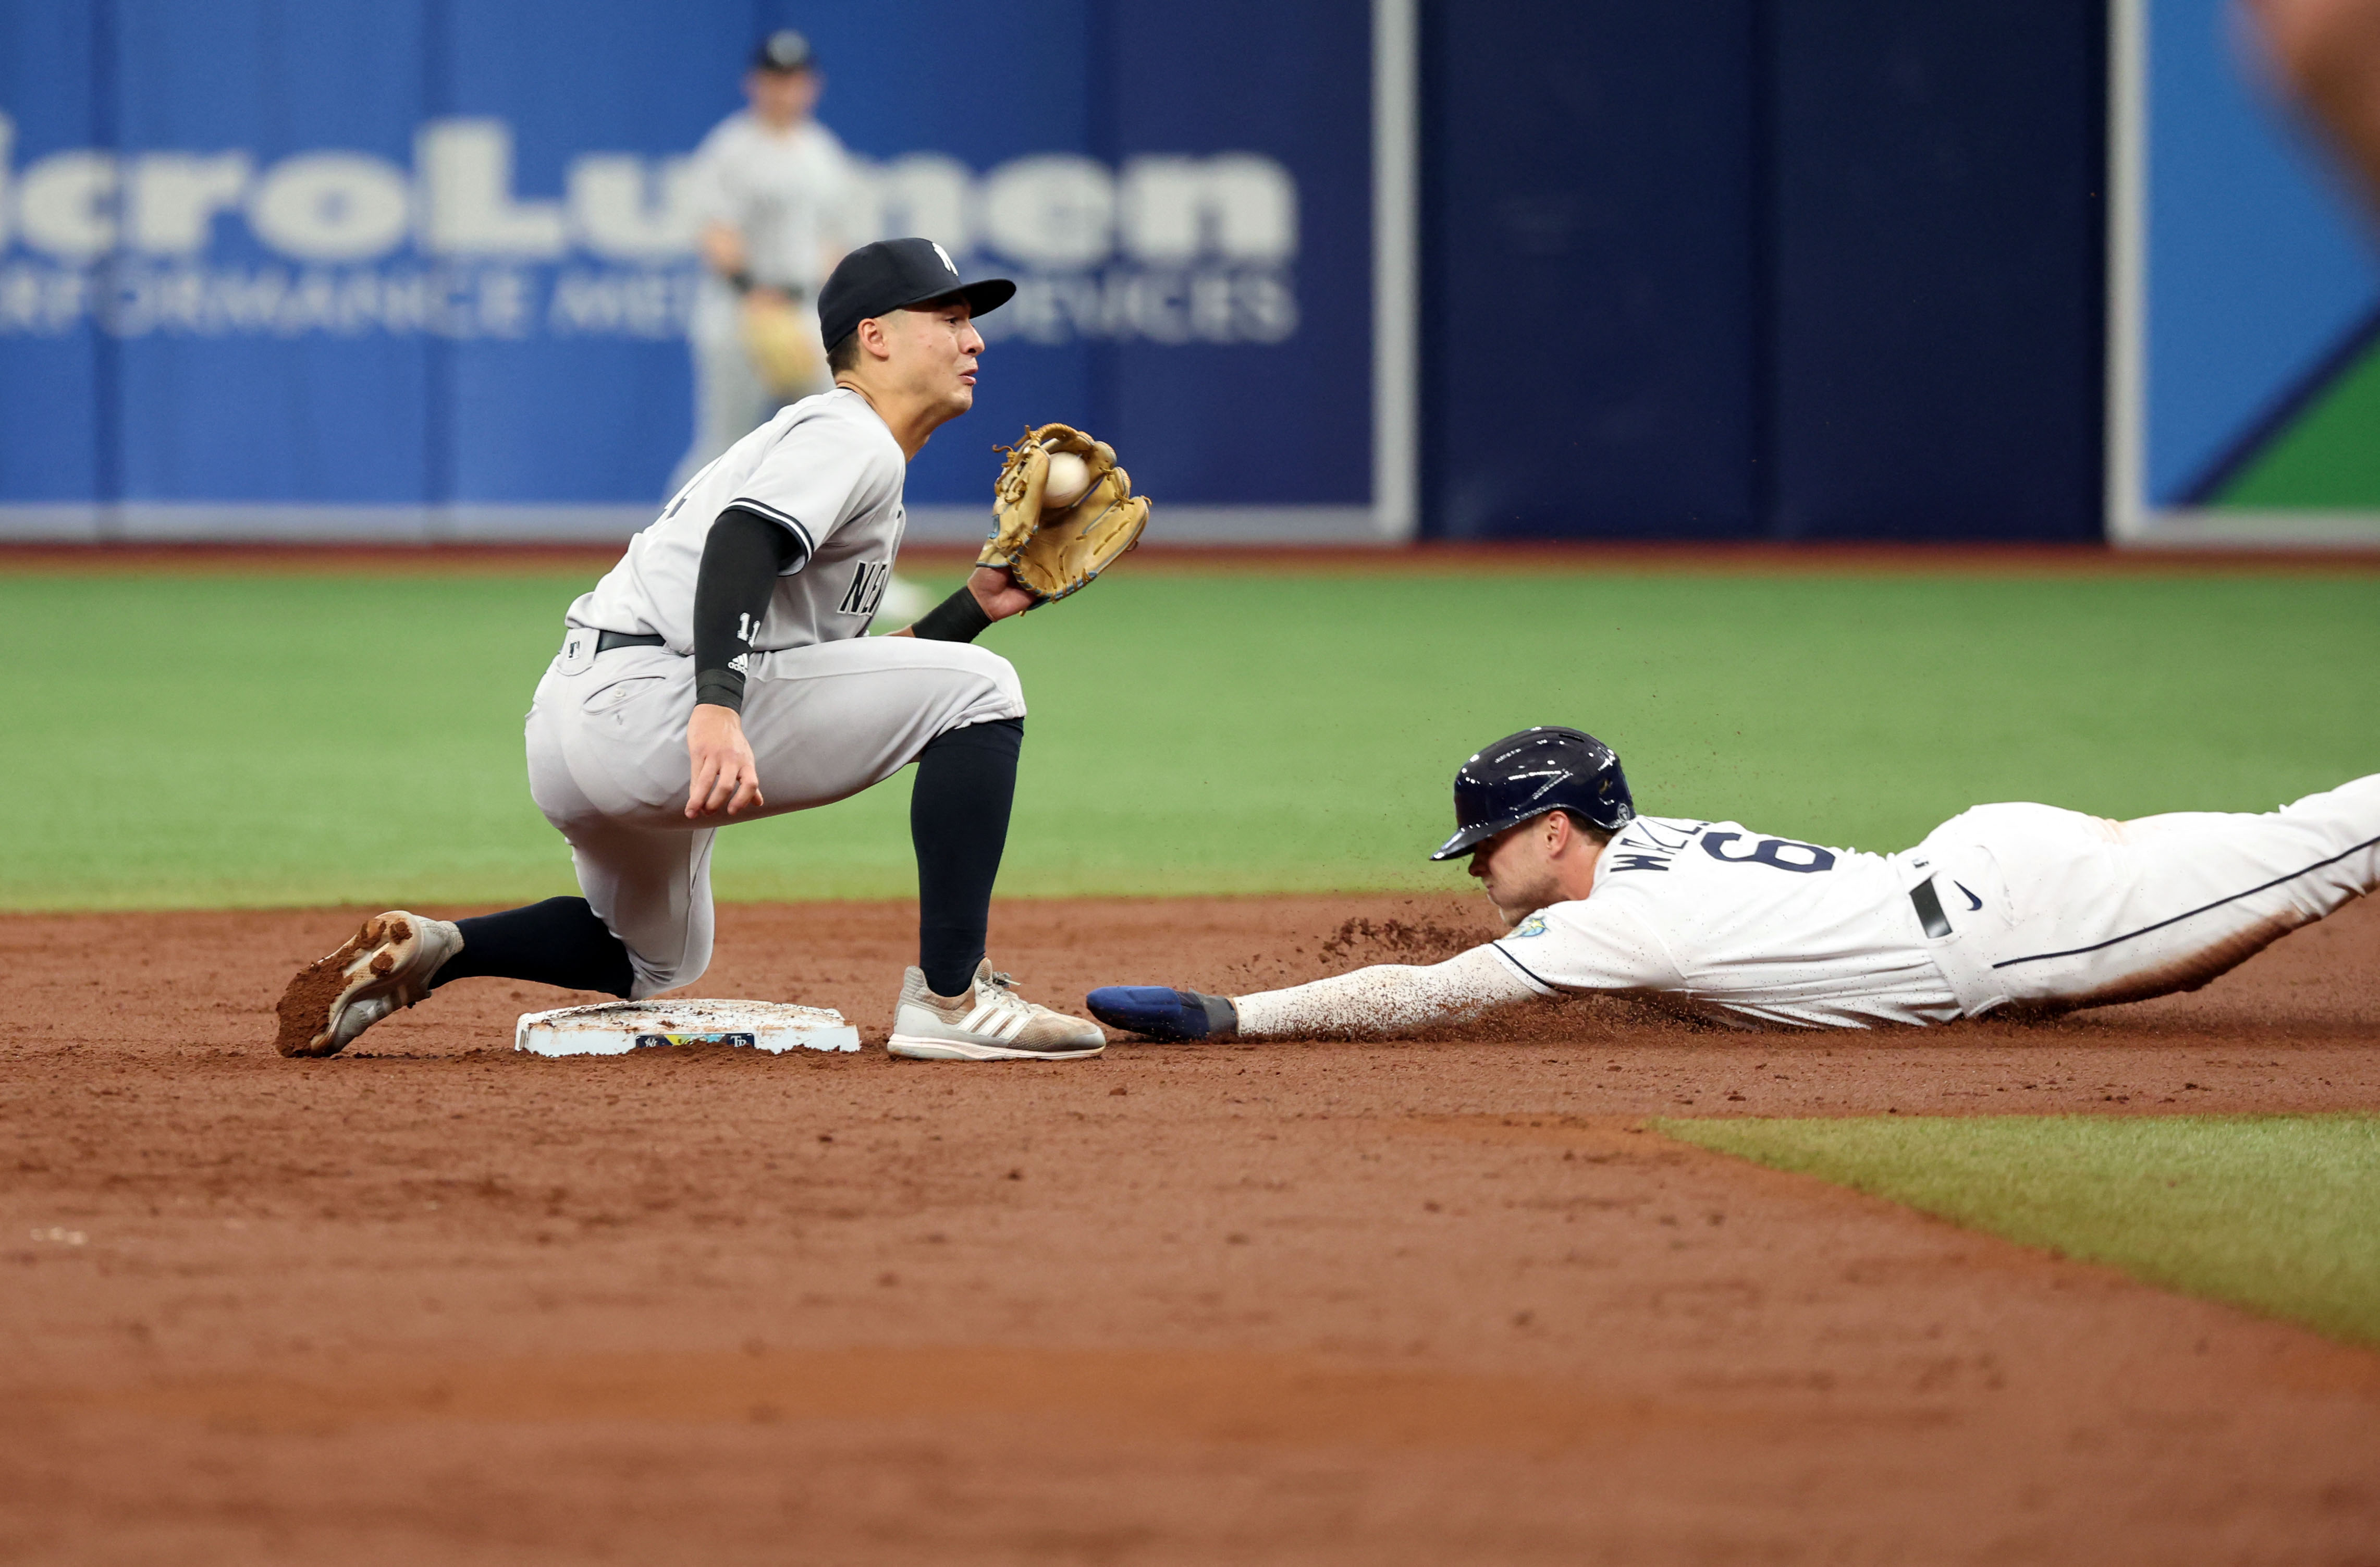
{"points": [[1329, 1303]]}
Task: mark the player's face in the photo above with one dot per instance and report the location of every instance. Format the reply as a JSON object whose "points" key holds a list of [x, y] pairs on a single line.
{"points": [[781, 98], [1516, 867], [935, 350]]}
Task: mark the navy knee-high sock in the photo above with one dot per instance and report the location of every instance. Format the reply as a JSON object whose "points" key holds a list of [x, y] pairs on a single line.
{"points": [[559, 941], [958, 819]]}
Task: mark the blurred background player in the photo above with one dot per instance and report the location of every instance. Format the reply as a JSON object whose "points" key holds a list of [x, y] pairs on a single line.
{"points": [[778, 201]]}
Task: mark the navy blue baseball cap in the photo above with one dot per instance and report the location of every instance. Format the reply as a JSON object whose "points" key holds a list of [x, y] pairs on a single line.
{"points": [[1527, 774], [894, 274], [784, 50]]}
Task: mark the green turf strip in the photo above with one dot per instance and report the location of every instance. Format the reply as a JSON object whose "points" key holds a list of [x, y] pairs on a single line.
{"points": [[218, 740], [2326, 458], [2272, 1212]]}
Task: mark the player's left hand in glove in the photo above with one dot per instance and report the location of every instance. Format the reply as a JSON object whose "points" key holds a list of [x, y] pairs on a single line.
{"points": [[1052, 550], [783, 352]]}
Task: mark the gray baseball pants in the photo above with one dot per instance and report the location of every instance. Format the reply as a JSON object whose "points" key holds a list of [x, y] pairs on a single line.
{"points": [[607, 764]]}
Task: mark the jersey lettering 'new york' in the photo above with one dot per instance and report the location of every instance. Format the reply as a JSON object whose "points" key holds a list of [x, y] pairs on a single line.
{"points": [[867, 590], [829, 472], [1759, 927]]}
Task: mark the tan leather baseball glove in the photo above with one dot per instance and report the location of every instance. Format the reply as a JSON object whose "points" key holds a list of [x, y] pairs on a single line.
{"points": [[1053, 551], [783, 351]]}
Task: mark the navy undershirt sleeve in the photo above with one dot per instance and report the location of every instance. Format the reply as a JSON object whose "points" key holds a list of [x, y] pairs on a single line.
{"points": [[742, 559], [958, 618]]}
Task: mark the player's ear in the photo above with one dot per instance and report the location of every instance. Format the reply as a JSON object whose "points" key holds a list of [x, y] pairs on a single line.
{"points": [[872, 339]]}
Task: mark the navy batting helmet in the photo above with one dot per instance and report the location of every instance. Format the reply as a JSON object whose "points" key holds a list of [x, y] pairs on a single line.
{"points": [[1547, 767]]}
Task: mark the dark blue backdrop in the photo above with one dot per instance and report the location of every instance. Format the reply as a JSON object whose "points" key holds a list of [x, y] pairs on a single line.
{"points": [[1751, 268], [1744, 268], [229, 369]]}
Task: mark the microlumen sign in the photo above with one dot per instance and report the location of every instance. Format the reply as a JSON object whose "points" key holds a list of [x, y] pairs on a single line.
{"points": [[1162, 249]]}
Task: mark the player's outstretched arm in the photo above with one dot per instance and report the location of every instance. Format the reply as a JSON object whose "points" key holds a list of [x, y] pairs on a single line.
{"points": [[1386, 999]]}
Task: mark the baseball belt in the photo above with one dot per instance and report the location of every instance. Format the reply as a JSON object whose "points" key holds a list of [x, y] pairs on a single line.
{"points": [[611, 639], [1928, 901]]}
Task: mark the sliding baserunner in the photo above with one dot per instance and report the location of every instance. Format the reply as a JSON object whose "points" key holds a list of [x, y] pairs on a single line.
{"points": [[2025, 908]]}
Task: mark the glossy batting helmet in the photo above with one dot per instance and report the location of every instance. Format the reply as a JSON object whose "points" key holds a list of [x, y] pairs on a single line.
{"points": [[1547, 767]]}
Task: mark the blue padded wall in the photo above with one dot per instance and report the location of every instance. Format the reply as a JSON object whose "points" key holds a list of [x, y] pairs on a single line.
{"points": [[1755, 269], [1935, 369], [1587, 194]]}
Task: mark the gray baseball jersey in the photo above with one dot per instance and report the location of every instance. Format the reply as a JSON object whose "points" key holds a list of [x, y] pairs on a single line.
{"points": [[826, 469], [792, 194]]}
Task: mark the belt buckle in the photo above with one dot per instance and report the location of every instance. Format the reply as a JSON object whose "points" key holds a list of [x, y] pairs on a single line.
{"points": [[1928, 903]]}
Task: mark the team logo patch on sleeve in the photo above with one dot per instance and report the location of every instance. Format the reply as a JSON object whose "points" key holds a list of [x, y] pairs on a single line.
{"points": [[1533, 926]]}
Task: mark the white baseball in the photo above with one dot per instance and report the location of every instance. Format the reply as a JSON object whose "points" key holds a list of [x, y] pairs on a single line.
{"points": [[1069, 477]]}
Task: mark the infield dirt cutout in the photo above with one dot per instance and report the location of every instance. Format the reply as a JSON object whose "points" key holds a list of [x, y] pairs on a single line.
{"points": [[433, 1300]]}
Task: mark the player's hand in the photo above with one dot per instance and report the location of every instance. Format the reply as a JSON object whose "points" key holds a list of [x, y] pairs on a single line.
{"points": [[725, 778], [998, 592]]}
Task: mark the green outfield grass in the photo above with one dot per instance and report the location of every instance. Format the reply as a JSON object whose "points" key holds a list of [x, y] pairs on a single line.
{"points": [[220, 740], [2272, 1212]]}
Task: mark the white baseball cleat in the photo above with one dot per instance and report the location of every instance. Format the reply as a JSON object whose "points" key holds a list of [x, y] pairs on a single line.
{"points": [[991, 1022], [383, 968]]}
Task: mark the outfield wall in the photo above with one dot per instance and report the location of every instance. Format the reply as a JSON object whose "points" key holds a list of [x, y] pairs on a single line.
{"points": [[1328, 270], [2244, 342], [1831, 269], [422, 270]]}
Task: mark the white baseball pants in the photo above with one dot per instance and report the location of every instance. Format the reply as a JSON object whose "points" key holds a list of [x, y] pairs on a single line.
{"points": [[607, 764], [2052, 909]]}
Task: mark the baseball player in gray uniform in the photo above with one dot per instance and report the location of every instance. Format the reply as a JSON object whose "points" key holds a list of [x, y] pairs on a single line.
{"points": [[2027, 908], [719, 674], [778, 203]]}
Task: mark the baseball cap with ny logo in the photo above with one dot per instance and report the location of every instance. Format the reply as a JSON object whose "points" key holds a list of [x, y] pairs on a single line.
{"points": [[893, 275]]}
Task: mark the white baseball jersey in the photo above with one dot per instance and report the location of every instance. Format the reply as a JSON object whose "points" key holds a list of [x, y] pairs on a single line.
{"points": [[790, 194], [827, 471], [1762, 927], [2026, 905]]}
